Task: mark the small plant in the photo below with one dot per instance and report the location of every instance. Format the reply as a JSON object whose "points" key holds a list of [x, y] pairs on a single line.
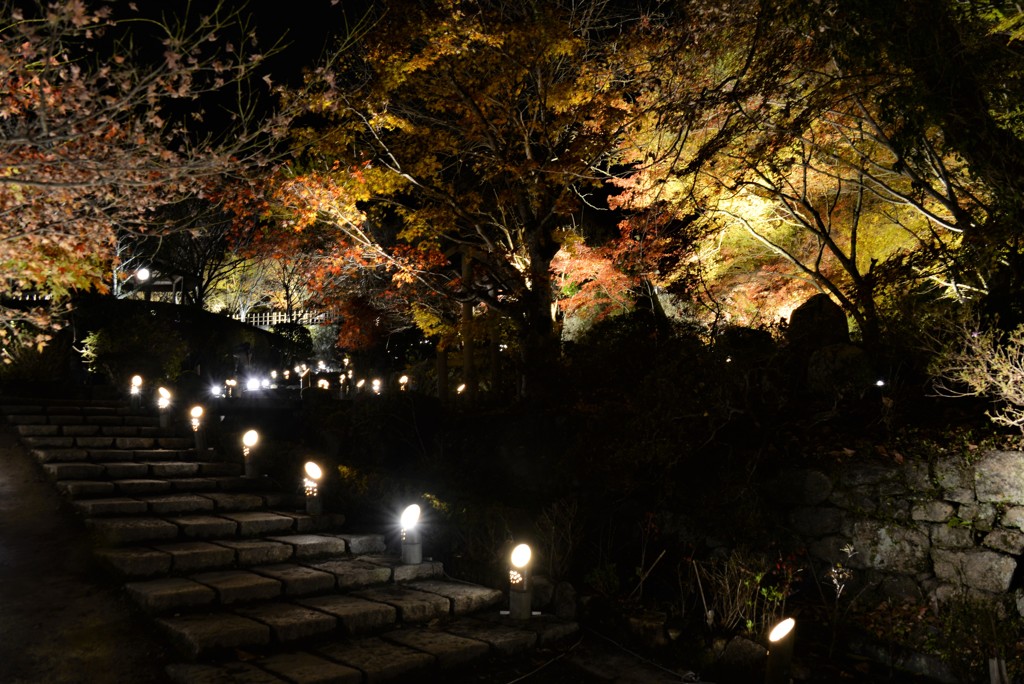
{"points": [[839, 576]]}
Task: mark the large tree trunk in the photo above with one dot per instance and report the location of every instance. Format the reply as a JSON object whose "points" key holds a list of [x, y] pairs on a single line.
{"points": [[538, 336]]}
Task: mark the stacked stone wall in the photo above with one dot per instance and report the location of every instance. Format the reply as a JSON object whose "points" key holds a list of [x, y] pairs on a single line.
{"points": [[921, 531]]}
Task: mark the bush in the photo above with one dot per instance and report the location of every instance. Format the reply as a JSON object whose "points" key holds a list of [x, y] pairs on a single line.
{"points": [[141, 343]]}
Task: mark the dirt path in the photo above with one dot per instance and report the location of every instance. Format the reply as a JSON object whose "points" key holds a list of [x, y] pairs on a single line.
{"points": [[57, 625]]}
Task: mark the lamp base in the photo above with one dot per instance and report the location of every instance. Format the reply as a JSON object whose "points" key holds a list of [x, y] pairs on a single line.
{"points": [[520, 604], [412, 553], [314, 505]]}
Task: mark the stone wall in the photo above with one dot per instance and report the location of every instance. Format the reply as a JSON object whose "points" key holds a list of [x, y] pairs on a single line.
{"points": [[921, 531]]}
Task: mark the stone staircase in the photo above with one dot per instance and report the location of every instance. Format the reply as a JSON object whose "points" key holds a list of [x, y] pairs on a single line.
{"points": [[244, 583]]}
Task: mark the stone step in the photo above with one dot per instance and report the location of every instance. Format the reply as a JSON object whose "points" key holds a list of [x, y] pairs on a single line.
{"points": [[114, 470], [408, 653], [260, 622], [233, 517], [316, 580], [51, 455], [87, 430], [233, 485], [148, 561], [110, 442]]}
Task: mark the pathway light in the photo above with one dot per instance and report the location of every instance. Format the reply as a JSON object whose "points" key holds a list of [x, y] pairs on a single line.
{"points": [[249, 440], [311, 482], [520, 594], [780, 652], [412, 549]]}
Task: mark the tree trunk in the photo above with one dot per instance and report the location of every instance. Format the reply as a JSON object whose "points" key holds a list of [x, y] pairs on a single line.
{"points": [[468, 365], [538, 339]]}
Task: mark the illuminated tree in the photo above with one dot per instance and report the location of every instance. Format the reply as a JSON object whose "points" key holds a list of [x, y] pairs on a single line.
{"points": [[461, 140], [104, 118]]}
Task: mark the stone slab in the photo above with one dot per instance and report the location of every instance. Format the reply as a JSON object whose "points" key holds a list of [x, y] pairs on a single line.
{"points": [[178, 503], [136, 562], [401, 572], [234, 586], [83, 488], [255, 523], [74, 471], [355, 616], [134, 443], [252, 552], [465, 598], [125, 530], [235, 502], [190, 556], [150, 455], [39, 430], [62, 455], [130, 469], [200, 634], [92, 441], [173, 469], [381, 661], [354, 573], [104, 455], [142, 486], [218, 469], [505, 639], [290, 622], [204, 526], [306, 668], [448, 649], [413, 606], [113, 506], [169, 593], [549, 629], [194, 484], [312, 545], [298, 580], [84, 430], [230, 673], [359, 544]]}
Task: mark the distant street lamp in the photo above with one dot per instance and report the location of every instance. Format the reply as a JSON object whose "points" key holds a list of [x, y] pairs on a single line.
{"points": [[412, 549], [249, 440], [520, 590]]}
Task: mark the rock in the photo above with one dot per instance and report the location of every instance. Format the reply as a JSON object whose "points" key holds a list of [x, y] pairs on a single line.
{"points": [[951, 537], [839, 370], [932, 511], [1007, 541], [543, 592], [976, 569], [956, 481], [981, 516], [565, 601], [816, 323], [1014, 517], [816, 521], [889, 547], [742, 660], [999, 477], [800, 488]]}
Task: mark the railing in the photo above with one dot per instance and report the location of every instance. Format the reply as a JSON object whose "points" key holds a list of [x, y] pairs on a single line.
{"points": [[268, 319]]}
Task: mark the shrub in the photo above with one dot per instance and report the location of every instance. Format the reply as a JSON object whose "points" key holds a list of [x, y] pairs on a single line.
{"points": [[141, 343]]}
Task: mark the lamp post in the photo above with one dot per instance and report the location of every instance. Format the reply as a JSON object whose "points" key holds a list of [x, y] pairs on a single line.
{"points": [[780, 652], [403, 383], [196, 415], [314, 504], [163, 403], [135, 392], [249, 440], [412, 549], [520, 591]]}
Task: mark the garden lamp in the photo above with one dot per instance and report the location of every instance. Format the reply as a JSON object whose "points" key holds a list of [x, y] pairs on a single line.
{"points": [[780, 652], [196, 415], [520, 591], [311, 482], [163, 402], [249, 440], [412, 549], [135, 391]]}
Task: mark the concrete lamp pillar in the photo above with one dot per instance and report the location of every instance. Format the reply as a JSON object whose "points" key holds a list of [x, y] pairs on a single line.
{"points": [[249, 440], [311, 483], [135, 392], [780, 652], [163, 405], [196, 417], [520, 590], [412, 548]]}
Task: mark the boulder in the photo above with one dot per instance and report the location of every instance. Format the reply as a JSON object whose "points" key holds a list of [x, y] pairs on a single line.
{"points": [[817, 323], [999, 477]]}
